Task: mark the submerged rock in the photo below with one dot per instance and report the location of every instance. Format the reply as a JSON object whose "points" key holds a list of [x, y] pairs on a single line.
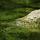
{"points": [[32, 17]]}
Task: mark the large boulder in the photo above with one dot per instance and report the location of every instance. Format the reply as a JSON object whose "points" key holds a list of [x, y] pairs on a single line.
{"points": [[31, 19]]}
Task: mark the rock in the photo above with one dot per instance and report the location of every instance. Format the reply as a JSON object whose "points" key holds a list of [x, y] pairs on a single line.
{"points": [[29, 19]]}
